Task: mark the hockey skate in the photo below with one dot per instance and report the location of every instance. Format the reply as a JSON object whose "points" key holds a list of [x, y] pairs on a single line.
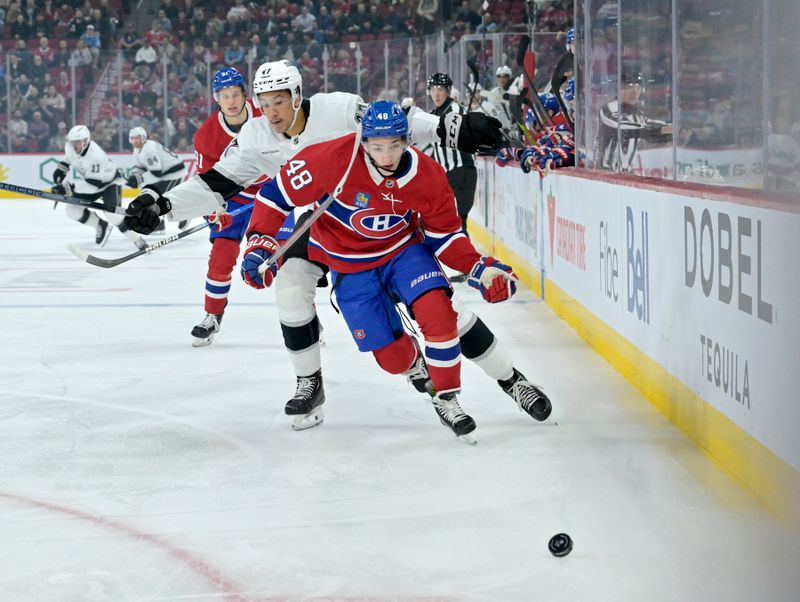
{"points": [[182, 224], [530, 398], [204, 332], [454, 418], [418, 375], [306, 405], [101, 232]]}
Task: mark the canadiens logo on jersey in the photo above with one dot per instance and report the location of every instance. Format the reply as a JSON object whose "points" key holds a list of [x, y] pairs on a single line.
{"points": [[362, 199], [372, 223]]}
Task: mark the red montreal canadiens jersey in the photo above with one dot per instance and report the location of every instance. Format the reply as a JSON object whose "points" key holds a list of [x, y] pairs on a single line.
{"points": [[374, 217], [214, 136]]}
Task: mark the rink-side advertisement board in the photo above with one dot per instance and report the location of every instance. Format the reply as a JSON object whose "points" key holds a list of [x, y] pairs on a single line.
{"points": [[698, 298], [36, 169]]}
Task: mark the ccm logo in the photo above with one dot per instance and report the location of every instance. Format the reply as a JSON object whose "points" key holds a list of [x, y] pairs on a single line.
{"points": [[359, 334]]}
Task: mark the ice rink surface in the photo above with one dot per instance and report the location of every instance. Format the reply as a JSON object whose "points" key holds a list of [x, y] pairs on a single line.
{"points": [[135, 467]]}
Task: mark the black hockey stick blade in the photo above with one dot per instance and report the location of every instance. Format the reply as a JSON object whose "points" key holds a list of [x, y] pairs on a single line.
{"points": [[566, 64], [84, 255], [542, 116], [473, 68], [58, 198]]}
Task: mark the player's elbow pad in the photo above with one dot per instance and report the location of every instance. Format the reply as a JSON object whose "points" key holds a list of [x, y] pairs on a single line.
{"points": [[220, 184]]}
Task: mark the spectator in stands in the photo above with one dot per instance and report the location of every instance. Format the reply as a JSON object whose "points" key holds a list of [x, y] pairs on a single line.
{"points": [[170, 10], [273, 52], [468, 16], [238, 18], [44, 51], [305, 20], [41, 26], [234, 54], [82, 56], [18, 128], [487, 24], [23, 85], [39, 131], [55, 100], [131, 42], [324, 19], [62, 55], [145, 60], [16, 66], [76, 25], [92, 42], [255, 52], [58, 140], [64, 85], [181, 27], [37, 70], [21, 28], [161, 22]]}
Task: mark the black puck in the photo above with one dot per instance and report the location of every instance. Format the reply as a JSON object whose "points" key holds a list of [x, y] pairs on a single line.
{"points": [[560, 544]]}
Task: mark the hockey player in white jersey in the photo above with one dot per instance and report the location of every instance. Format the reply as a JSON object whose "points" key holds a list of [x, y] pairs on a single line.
{"points": [[155, 164], [289, 124], [100, 179]]}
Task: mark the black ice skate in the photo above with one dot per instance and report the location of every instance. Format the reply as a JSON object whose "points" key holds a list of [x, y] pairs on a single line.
{"points": [[530, 398], [454, 418], [182, 224], [418, 374], [204, 332], [101, 232], [306, 405]]}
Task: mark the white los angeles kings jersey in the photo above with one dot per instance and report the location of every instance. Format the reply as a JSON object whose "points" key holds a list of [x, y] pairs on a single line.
{"points": [[95, 169], [258, 151], [157, 164]]}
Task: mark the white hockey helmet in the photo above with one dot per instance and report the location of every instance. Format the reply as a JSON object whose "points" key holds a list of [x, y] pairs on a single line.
{"points": [[504, 70], [79, 133], [137, 132], [278, 75]]}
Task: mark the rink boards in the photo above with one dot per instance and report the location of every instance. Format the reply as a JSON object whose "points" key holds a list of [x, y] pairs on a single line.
{"points": [[690, 293]]}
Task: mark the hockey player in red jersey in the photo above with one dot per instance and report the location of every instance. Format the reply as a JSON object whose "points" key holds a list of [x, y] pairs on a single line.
{"points": [[210, 141], [370, 237]]}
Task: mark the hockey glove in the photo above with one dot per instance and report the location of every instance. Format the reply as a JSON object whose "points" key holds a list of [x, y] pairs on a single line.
{"points": [[260, 247], [144, 213], [63, 188], [496, 281], [470, 132], [134, 180], [219, 220], [60, 173], [506, 155], [530, 157]]}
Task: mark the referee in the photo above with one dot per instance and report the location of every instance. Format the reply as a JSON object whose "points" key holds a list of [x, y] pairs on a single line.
{"points": [[460, 167]]}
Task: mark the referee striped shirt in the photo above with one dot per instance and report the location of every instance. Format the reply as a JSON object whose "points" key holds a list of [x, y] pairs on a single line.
{"points": [[448, 158]]}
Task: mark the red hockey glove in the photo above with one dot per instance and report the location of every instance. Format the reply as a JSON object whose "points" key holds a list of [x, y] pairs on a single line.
{"points": [[496, 281], [219, 220]]}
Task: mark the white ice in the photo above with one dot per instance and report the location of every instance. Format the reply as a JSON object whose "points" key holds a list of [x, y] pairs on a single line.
{"points": [[135, 467]]}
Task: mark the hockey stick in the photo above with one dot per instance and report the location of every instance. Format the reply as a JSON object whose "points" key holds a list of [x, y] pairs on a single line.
{"points": [[523, 55], [565, 64], [300, 230], [475, 76], [58, 198], [84, 255]]}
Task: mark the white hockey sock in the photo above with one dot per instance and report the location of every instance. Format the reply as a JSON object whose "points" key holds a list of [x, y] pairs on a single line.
{"points": [[495, 362]]}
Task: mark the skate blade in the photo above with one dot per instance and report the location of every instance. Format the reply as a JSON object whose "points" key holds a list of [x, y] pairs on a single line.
{"points": [[202, 342], [469, 439], [306, 421]]}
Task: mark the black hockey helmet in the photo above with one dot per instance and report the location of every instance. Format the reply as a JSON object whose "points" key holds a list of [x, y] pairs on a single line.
{"points": [[632, 77], [439, 79]]}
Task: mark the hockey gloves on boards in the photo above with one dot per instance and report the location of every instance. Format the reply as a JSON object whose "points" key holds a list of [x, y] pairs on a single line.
{"points": [[260, 247], [144, 213], [470, 132], [507, 155], [496, 281]]}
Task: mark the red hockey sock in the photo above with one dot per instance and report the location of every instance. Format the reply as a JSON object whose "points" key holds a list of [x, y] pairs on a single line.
{"points": [[438, 321], [397, 356], [221, 261]]}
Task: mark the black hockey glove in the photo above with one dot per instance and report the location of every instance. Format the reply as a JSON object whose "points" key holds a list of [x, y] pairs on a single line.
{"points": [[144, 213], [134, 180], [60, 173], [63, 188], [470, 132]]}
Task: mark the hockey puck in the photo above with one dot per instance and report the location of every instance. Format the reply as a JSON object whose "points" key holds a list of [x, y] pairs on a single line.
{"points": [[560, 545]]}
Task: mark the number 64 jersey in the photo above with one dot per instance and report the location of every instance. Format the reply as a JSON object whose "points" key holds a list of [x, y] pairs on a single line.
{"points": [[374, 217]]}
